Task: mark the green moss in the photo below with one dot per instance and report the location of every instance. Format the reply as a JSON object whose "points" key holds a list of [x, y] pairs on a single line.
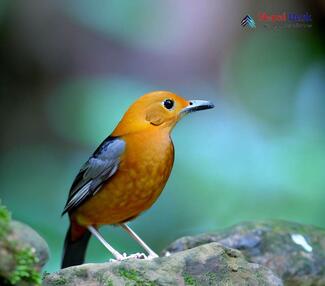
{"points": [[81, 273], [108, 282], [128, 274], [135, 276], [5, 218], [25, 259], [212, 278], [61, 281], [25, 268], [189, 280]]}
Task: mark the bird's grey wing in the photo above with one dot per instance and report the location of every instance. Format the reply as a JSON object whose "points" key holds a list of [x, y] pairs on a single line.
{"points": [[98, 169]]}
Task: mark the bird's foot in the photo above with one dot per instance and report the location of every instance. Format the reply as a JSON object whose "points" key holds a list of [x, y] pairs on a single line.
{"points": [[137, 255], [124, 256]]}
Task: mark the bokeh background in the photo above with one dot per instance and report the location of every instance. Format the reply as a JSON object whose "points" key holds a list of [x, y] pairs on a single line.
{"points": [[69, 70]]}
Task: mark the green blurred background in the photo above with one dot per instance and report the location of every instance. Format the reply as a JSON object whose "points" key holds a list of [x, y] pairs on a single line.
{"points": [[69, 70]]}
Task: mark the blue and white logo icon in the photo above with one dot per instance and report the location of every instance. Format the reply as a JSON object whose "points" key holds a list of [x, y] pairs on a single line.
{"points": [[248, 21]]}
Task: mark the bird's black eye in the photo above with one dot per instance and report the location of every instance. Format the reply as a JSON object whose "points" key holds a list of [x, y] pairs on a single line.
{"points": [[168, 103]]}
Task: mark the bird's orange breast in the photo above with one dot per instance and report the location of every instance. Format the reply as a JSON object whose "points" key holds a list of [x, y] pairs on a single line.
{"points": [[142, 174]]}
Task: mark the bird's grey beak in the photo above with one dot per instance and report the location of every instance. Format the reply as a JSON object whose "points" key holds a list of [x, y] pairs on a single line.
{"points": [[196, 105]]}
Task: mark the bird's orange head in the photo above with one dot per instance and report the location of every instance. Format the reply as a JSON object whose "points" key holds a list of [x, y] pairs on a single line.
{"points": [[157, 109]]}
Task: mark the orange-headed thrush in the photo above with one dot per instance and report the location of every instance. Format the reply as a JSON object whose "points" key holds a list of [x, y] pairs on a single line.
{"points": [[126, 173]]}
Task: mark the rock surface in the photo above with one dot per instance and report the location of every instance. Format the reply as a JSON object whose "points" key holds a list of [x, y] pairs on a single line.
{"points": [[209, 264], [294, 252]]}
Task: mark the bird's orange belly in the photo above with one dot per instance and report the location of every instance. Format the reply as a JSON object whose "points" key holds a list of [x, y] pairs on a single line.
{"points": [[132, 190]]}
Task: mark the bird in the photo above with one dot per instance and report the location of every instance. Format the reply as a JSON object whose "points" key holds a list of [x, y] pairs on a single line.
{"points": [[125, 175]]}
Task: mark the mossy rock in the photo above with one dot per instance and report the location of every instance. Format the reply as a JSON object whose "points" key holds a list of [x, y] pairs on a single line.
{"points": [[295, 252], [22, 252], [210, 264]]}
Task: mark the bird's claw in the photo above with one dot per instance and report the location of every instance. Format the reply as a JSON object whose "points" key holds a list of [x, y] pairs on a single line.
{"points": [[124, 256], [137, 255]]}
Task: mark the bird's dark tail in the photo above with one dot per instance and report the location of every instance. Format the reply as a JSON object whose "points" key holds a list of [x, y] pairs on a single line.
{"points": [[75, 245]]}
